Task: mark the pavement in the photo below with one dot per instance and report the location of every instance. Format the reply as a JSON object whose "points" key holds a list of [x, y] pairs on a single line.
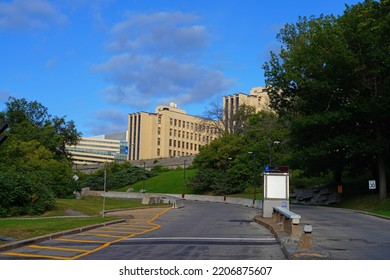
{"points": [[303, 248]]}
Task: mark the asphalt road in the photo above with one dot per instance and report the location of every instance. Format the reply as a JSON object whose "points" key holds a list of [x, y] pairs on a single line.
{"points": [[199, 231], [347, 234], [214, 231]]}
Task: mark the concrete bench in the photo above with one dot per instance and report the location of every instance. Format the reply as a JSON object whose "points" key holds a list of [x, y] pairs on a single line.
{"points": [[288, 221]]}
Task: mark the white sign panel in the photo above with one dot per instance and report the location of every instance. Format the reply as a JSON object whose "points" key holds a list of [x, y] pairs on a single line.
{"points": [[277, 186], [371, 185]]}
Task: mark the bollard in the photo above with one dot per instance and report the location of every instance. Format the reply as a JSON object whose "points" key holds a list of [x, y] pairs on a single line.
{"points": [[305, 242]]}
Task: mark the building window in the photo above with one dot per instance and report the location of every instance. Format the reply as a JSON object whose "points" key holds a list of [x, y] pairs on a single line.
{"points": [[170, 121], [175, 122], [158, 141], [159, 131], [170, 142], [158, 152], [179, 123], [170, 132]]}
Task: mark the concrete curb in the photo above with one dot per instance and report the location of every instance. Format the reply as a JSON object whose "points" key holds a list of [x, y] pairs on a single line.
{"points": [[29, 241], [289, 246]]}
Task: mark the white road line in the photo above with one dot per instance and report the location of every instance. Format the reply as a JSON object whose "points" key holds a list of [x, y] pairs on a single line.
{"points": [[234, 239]]}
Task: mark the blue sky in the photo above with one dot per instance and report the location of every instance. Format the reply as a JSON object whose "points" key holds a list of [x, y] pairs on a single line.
{"points": [[95, 61]]}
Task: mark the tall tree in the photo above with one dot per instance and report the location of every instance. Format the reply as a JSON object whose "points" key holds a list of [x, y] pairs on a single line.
{"points": [[331, 79], [31, 121]]}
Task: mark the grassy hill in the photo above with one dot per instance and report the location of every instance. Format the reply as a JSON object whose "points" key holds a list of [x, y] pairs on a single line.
{"points": [[165, 182]]}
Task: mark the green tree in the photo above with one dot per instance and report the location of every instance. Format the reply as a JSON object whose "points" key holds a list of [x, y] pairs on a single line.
{"points": [[31, 121], [227, 164], [34, 168], [331, 81]]}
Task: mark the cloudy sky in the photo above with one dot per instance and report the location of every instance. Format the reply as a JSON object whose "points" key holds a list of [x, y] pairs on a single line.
{"points": [[95, 61]]}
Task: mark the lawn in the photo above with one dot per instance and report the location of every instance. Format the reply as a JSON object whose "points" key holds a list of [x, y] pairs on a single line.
{"points": [[367, 203], [165, 182], [90, 206], [23, 228]]}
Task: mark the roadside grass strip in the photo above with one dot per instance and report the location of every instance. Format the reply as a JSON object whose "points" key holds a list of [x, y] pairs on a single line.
{"points": [[101, 237]]}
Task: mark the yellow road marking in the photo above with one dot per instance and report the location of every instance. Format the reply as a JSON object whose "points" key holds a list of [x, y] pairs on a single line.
{"points": [[100, 234], [125, 237], [80, 240], [147, 228], [57, 248], [34, 256]]}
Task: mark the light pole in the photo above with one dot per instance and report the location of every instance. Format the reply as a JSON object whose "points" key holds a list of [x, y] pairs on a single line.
{"points": [[184, 176], [254, 177], [224, 179], [104, 192], [143, 183], [271, 144]]}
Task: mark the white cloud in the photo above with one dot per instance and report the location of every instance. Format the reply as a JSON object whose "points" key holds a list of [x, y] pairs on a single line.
{"points": [[108, 121], [27, 14], [154, 58]]}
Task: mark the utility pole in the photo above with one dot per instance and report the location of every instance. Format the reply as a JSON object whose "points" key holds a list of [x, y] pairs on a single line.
{"points": [[104, 191]]}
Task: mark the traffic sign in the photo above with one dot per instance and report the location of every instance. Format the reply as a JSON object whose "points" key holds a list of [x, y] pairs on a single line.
{"points": [[371, 184]]}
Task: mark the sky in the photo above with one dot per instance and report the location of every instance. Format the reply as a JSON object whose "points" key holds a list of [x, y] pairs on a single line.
{"points": [[95, 61]]}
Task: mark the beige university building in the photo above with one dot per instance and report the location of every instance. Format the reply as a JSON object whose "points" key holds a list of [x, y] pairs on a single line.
{"points": [[171, 132], [168, 132]]}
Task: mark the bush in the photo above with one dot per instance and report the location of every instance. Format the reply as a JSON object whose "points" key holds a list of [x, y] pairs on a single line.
{"points": [[19, 195]]}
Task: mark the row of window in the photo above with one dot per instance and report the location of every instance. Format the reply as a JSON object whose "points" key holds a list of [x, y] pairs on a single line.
{"points": [[189, 135], [174, 153], [190, 125], [183, 145]]}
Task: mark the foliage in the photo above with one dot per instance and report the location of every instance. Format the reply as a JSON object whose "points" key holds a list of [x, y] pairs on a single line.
{"points": [[331, 81], [233, 162], [34, 167], [118, 175]]}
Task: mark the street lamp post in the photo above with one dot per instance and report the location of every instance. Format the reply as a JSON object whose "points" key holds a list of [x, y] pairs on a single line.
{"points": [[184, 176], [143, 183], [224, 179], [271, 144], [254, 177]]}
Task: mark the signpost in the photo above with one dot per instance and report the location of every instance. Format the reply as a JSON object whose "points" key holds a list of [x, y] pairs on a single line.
{"points": [[276, 189], [372, 185]]}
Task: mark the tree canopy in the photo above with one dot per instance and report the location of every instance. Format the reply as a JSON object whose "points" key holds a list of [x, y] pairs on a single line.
{"points": [[331, 81], [34, 166]]}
